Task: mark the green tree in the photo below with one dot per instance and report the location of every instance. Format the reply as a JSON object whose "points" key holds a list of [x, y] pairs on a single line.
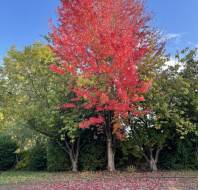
{"points": [[172, 108], [33, 96], [149, 138]]}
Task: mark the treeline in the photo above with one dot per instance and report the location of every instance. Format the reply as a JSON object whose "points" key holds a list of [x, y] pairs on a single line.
{"points": [[39, 127], [179, 155]]}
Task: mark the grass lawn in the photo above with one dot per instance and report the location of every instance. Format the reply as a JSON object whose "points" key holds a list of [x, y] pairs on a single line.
{"points": [[185, 180]]}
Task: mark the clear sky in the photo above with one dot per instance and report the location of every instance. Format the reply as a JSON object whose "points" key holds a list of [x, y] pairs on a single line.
{"points": [[25, 21], [178, 20]]}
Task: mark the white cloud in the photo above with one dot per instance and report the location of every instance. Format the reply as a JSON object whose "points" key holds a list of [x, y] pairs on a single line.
{"points": [[172, 36], [171, 62]]}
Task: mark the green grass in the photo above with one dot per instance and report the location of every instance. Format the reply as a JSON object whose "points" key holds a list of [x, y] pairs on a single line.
{"points": [[21, 177], [18, 177]]}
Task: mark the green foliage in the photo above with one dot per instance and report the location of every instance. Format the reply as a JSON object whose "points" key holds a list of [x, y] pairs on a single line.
{"points": [[30, 96], [127, 154], [173, 109], [34, 95], [93, 157], [28, 86], [57, 158], [181, 155], [23, 161], [7, 152], [38, 158], [174, 95], [33, 159], [145, 133]]}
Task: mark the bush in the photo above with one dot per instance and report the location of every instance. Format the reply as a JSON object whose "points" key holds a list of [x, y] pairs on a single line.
{"points": [[33, 159], [23, 161], [181, 156], [93, 157], [128, 155], [38, 158], [7, 153], [57, 158], [131, 168]]}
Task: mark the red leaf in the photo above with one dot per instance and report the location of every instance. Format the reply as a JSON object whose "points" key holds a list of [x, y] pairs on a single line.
{"points": [[75, 99], [104, 98], [57, 70], [87, 106], [91, 121], [137, 99], [69, 105]]}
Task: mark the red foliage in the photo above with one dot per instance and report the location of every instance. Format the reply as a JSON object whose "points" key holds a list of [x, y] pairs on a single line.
{"points": [[57, 70], [69, 105], [103, 41], [91, 121], [75, 99]]}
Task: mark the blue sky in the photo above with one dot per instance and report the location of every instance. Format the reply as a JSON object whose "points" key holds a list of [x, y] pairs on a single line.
{"points": [[178, 20], [25, 21]]}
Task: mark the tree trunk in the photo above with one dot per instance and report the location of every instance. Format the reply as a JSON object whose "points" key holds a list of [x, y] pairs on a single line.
{"points": [[109, 141], [73, 151], [153, 165], [74, 166], [110, 156], [154, 159]]}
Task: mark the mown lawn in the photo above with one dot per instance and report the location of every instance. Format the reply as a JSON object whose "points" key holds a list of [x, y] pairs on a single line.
{"points": [[185, 180]]}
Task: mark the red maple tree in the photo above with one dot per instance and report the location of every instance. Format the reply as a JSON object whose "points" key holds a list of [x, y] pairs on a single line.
{"points": [[101, 43]]}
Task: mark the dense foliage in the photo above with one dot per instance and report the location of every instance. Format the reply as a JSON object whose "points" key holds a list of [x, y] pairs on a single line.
{"points": [[8, 150], [165, 137], [100, 96], [57, 159], [38, 158]]}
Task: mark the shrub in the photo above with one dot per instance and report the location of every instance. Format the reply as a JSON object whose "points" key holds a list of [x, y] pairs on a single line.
{"points": [[33, 159], [38, 158], [127, 155], [23, 160], [131, 168], [57, 159], [7, 152], [181, 156], [93, 157]]}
